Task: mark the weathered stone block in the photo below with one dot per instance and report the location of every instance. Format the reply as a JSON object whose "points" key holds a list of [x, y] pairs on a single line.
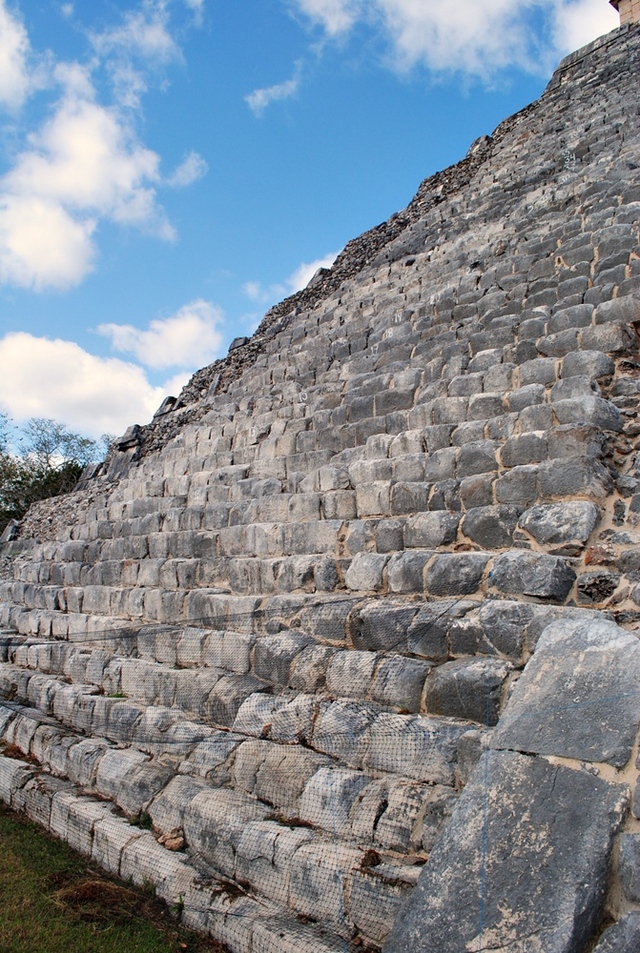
{"points": [[414, 747], [399, 682], [622, 937], [491, 527], [585, 673], [481, 866], [456, 574], [532, 574], [564, 526], [431, 530], [365, 574], [468, 688]]}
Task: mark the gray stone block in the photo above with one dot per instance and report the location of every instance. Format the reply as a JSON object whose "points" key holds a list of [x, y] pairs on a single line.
{"points": [[431, 530], [587, 364], [566, 527], [365, 574], [586, 674], [519, 486], [456, 574], [527, 396], [532, 574], [622, 937], [483, 865], [414, 747], [405, 572], [399, 683], [629, 866], [381, 627], [625, 309], [491, 527], [589, 410], [478, 457], [468, 688]]}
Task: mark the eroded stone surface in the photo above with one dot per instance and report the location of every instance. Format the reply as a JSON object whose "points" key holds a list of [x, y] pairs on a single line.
{"points": [[517, 815]]}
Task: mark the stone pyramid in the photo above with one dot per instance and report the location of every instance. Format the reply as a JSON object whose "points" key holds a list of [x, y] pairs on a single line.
{"points": [[341, 651]]}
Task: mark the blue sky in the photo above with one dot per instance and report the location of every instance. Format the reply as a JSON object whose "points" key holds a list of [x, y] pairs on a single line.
{"points": [[171, 168]]}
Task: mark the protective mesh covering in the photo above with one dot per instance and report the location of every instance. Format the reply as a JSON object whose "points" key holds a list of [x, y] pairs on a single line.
{"points": [[257, 661]]}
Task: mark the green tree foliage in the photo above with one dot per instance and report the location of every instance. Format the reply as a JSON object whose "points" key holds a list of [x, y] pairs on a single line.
{"points": [[48, 461]]}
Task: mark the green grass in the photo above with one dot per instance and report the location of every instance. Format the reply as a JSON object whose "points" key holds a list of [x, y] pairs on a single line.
{"points": [[52, 900]]}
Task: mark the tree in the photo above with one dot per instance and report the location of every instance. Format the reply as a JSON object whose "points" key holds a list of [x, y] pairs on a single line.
{"points": [[48, 462]]}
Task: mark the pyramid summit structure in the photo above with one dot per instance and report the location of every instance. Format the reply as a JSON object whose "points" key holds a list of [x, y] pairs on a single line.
{"points": [[353, 622]]}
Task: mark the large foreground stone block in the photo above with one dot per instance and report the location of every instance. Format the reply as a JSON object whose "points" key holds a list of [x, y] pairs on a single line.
{"points": [[514, 872], [578, 697]]}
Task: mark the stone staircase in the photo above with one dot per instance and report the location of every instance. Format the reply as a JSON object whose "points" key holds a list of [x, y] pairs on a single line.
{"points": [[280, 627]]}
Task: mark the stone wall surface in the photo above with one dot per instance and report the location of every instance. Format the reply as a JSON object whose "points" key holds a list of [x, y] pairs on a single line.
{"points": [[340, 652]]}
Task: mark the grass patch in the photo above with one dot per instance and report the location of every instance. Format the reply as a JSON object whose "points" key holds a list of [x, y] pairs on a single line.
{"points": [[52, 900]]}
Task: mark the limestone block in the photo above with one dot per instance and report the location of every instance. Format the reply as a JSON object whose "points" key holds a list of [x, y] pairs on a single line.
{"points": [[282, 774], [210, 758], [144, 861], [350, 673], [456, 574], [74, 818], [274, 655], [328, 799], [468, 688], [564, 528], [320, 878], [130, 779], [37, 796], [213, 824], [405, 571], [440, 801], [441, 464], [532, 574], [590, 410], [491, 527], [82, 761], [230, 692], [399, 683], [629, 866], [592, 364], [377, 894], [308, 670], [527, 396], [518, 486], [625, 309], [264, 856], [413, 746], [275, 935], [168, 808], [365, 574], [342, 731], [485, 856], [110, 837], [431, 530], [281, 719], [622, 937], [579, 668], [229, 650], [397, 828], [381, 626]]}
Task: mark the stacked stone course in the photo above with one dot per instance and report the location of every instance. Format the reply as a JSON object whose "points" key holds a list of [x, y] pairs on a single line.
{"points": [[304, 621]]}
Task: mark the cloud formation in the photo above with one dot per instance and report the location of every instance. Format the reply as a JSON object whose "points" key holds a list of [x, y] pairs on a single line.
{"points": [[477, 39], [188, 339], [45, 377], [14, 49], [297, 280], [260, 99], [85, 164], [192, 168]]}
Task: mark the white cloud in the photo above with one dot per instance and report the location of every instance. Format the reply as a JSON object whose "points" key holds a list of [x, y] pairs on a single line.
{"points": [[189, 171], [188, 339], [197, 7], [260, 99], [55, 378], [305, 272], [84, 164], [336, 16], [267, 295], [67, 9], [14, 49], [468, 36], [143, 33], [580, 21]]}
